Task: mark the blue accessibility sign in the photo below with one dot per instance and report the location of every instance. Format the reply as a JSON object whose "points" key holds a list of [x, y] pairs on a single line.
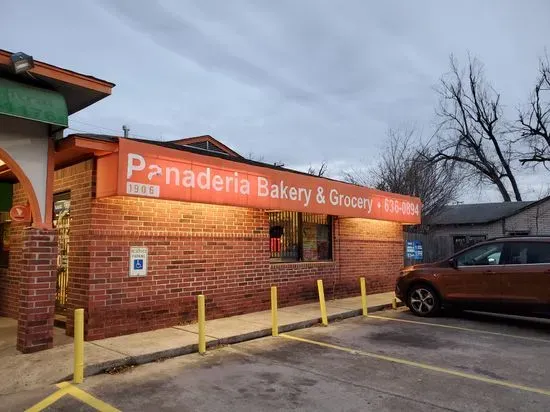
{"points": [[138, 264]]}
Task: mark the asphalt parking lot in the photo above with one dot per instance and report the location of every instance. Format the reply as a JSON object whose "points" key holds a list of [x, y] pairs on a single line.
{"points": [[391, 361]]}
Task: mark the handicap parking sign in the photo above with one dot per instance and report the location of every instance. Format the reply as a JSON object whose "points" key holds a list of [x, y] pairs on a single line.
{"points": [[138, 261]]}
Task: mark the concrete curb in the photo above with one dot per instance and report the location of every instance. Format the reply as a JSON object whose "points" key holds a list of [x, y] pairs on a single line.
{"points": [[98, 368]]}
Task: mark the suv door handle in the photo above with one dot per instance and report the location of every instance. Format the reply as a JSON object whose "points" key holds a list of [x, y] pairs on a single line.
{"points": [[490, 272]]}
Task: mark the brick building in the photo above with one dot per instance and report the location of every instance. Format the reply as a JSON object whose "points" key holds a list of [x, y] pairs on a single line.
{"points": [[131, 231], [113, 194]]}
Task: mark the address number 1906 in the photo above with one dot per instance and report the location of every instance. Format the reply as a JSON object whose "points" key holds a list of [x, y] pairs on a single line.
{"points": [[142, 189]]}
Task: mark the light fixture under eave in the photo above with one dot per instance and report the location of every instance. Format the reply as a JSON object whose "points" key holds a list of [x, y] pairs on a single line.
{"points": [[21, 62]]}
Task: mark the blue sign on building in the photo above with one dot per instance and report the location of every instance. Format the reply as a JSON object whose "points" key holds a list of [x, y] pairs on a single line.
{"points": [[418, 251], [410, 249], [138, 264]]}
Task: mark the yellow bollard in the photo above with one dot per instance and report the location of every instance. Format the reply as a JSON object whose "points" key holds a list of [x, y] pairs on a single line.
{"points": [[394, 303], [324, 319], [364, 296], [202, 324], [78, 374], [274, 319]]}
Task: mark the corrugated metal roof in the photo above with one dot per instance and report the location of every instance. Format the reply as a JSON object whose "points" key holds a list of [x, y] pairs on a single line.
{"points": [[476, 213]]}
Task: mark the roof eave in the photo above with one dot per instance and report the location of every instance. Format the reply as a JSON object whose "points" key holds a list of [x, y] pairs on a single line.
{"points": [[64, 75]]}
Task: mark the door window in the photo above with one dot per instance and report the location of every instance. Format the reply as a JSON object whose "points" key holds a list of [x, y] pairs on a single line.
{"points": [[489, 254], [522, 253]]}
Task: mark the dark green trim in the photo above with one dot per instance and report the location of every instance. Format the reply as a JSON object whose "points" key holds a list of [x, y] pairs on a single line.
{"points": [[6, 196], [32, 103]]}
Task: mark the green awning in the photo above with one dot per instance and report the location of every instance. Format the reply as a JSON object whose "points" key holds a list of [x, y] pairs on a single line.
{"points": [[33, 103]]}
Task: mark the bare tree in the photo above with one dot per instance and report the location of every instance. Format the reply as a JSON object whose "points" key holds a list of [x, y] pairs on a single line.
{"points": [[405, 168], [534, 121], [472, 133], [320, 172]]}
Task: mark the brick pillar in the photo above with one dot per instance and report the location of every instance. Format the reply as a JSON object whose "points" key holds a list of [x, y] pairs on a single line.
{"points": [[37, 290]]}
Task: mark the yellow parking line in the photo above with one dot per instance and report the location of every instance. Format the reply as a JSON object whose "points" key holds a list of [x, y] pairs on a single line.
{"points": [[65, 388], [44, 403], [461, 328], [87, 398], [422, 366]]}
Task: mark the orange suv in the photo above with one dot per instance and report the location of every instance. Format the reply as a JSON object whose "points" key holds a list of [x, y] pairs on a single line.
{"points": [[510, 275]]}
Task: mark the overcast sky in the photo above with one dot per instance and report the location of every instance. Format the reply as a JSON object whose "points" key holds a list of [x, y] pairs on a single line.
{"points": [[296, 81]]}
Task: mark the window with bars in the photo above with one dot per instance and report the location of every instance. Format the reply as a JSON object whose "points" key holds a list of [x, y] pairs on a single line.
{"points": [[300, 237]]}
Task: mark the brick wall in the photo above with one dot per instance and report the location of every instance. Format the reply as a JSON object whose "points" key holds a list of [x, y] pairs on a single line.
{"points": [[535, 220], [369, 248], [79, 180], [220, 251], [4, 290], [37, 290], [9, 278]]}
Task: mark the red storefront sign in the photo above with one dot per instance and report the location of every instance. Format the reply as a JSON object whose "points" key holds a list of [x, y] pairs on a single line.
{"points": [[147, 170]]}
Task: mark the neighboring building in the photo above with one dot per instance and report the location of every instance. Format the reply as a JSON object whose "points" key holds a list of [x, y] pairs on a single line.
{"points": [[460, 226]]}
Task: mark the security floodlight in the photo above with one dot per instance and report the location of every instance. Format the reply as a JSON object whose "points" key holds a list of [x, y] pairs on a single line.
{"points": [[21, 62]]}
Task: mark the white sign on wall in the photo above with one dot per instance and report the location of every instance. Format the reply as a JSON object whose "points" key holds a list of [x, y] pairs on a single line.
{"points": [[138, 261]]}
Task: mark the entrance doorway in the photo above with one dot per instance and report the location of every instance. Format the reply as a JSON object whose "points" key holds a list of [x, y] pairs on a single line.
{"points": [[62, 223]]}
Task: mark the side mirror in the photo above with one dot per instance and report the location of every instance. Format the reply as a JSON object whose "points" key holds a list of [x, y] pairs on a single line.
{"points": [[453, 263]]}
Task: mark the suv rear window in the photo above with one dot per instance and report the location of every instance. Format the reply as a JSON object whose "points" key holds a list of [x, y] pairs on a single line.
{"points": [[522, 253]]}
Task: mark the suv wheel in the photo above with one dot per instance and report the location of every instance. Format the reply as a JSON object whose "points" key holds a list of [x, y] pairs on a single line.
{"points": [[422, 300]]}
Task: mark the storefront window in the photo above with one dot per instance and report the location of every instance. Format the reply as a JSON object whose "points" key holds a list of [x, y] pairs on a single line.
{"points": [[300, 237], [4, 239]]}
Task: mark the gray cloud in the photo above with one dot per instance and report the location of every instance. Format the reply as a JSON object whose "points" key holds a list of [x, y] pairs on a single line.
{"points": [[295, 81]]}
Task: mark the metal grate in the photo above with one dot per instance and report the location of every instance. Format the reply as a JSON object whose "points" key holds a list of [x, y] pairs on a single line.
{"points": [[284, 235], [61, 222], [287, 231], [316, 219]]}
